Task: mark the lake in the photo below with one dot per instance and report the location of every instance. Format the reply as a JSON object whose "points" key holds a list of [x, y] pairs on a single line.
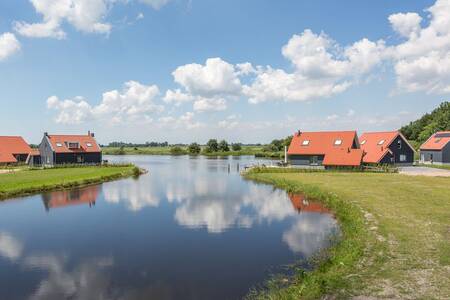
{"points": [[192, 228]]}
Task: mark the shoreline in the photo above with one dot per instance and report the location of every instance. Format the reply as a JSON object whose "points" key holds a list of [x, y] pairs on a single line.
{"points": [[332, 264], [67, 183]]}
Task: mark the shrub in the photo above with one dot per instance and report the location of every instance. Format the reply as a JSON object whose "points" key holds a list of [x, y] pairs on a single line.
{"points": [[177, 151], [194, 148], [212, 146], [223, 146], [236, 146]]}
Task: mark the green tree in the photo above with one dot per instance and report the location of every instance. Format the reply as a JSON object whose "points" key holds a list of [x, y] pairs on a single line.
{"points": [[223, 146], [212, 146], [236, 146], [194, 148]]}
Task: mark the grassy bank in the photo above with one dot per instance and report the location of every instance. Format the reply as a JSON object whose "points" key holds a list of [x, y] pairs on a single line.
{"points": [[246, 150], [396, 236], [33, 181]]}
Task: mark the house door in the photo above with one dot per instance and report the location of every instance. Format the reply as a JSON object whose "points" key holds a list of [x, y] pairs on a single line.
{"points": [[80, 159], [314, 160]]}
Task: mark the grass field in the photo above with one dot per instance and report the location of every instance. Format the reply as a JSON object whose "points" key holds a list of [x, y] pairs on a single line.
{"points": [[396, 236], [32, 181], [246, 150]]}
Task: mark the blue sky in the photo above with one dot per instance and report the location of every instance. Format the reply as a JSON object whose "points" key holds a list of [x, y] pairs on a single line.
{"points": [[246, 71]]}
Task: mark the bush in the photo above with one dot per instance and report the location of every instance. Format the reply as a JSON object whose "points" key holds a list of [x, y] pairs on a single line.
{"points": [[176, 151], [236, 147], [212, 146], [194, 148], [223, 146]]}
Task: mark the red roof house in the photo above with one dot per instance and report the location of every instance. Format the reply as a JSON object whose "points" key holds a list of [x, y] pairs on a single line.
{"points": [[327, 148], [65, 198], [386, 147], [70, 149], [436, 149], [13, 149]]}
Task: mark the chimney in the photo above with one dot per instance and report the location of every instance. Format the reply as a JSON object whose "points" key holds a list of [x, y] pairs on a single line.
{"points": [[45, 133], [90, 133], [299, 132]]}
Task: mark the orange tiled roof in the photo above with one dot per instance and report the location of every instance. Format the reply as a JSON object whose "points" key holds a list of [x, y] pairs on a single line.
{"points": [[336, 146], [68, 197], [437, 141], [374, 150], [300, 204], [59, 145], [12, 145]]}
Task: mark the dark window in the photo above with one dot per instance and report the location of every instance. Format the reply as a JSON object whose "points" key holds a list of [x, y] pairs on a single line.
{"points": [[399, 144]]}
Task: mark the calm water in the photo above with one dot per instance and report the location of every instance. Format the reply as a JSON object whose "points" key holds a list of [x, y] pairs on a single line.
{"points": [[190, 229]]}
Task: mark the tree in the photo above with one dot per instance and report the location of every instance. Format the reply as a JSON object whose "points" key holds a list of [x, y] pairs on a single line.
{"points": [[212, 146], [223, 146], [194, 148], [236, 146]]}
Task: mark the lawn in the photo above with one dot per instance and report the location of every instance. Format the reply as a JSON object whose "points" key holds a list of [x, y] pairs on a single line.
{"points": [[32, 181], [400, 248]]}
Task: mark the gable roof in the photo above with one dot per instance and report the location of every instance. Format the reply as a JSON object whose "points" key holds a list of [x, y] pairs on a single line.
{"points": [[437, 141], [336, 146], [60, 143], [376, 144], [11, 145]]}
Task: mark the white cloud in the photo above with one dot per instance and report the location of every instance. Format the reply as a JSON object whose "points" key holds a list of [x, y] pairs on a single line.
{"points": [[8, 45], [405, 24], [422, 62], [185, 121], [177, 97], [84, 15], [210, 104], [135, 103], [156, 4], [231, 122], [216, 77], [321, 69]]}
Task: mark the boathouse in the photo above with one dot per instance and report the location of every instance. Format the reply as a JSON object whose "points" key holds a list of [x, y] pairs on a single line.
{"points": [[436, 150]]}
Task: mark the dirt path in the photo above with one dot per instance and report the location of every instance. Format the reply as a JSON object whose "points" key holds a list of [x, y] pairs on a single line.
{"points": [[424, 171]]}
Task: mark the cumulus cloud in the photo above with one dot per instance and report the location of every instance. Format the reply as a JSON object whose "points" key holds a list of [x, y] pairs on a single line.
{"points": [[210, 104], [134, 103], [156, 4], [231, 122], [185, 121], [422, 62], [177, 97], [8, 45], [321, 69], [84, 15], [216, 77]]}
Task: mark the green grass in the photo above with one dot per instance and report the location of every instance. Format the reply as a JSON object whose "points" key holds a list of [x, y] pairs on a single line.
{"points": [[246, 150], [396, 236], [33, 181]]}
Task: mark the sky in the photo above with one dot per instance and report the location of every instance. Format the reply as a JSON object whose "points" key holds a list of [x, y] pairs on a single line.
{"points": [[246, 71]]}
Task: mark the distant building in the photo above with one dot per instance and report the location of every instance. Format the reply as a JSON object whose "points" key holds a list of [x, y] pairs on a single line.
{"points": [[436, 150], [389, 147], [70, 149], [325, 148], [13, 149], [34, 159]]}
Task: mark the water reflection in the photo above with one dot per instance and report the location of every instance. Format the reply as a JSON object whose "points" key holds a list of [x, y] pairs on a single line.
{"points": [[188, 229], [87, 195]]}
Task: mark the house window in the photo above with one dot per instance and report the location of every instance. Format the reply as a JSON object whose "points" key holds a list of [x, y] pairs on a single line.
{"points": [[363, 142], [305, 143], [58, 145], [80, 159], [337, 142], [73, 145], [399, 144], [381, 142], [422, 157], [402, 157], [437, 140], [89, 144]]}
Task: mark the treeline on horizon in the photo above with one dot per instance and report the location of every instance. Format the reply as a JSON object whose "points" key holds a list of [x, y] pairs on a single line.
{"points": [[420, 130]]}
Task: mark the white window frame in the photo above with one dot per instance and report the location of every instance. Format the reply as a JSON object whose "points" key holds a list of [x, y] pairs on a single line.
{"points": [[338, 142], [402, 157], [381, 142], [363, 142], [89, 144], [305, 143], [59, 145]]}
